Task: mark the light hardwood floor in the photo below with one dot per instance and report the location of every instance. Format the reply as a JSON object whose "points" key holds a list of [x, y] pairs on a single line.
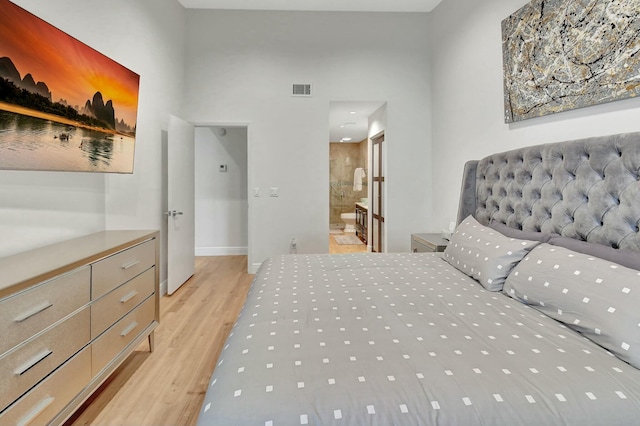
{"points": [[167, 387]]}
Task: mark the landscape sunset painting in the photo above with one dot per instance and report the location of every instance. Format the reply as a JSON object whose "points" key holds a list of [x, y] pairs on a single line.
{"points": [[63, 105]]}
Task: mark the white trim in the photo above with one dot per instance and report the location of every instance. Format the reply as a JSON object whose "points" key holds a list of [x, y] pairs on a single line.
{"points": [[163, 288], [221, 251]]}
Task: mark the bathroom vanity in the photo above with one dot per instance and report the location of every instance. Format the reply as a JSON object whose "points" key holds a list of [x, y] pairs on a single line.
{"points": [[362, 216]]}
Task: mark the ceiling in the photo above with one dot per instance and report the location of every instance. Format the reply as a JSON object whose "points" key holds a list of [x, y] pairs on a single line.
{"points": [[317, 5], [350, 120]]}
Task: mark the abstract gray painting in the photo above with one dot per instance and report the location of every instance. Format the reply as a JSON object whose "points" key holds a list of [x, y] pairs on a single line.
{"points": [[560, 55]]}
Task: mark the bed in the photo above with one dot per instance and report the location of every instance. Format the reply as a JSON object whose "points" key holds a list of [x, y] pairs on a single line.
{"points": [[530, 316]]}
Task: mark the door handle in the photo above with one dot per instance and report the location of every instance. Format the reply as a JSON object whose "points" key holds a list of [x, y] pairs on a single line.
{"points": [[173, 213]]}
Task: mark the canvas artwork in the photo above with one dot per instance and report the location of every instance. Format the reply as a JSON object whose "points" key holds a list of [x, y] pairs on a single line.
{"points": [[63, 105], [560, 55]]}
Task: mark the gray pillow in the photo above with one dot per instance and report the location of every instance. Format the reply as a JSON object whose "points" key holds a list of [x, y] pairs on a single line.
{"points": [[628, 258], [592, 296], [520, 234], [484, 254]]}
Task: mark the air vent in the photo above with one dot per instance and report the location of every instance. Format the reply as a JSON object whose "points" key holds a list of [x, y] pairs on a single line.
{"points": [[301, 90]]}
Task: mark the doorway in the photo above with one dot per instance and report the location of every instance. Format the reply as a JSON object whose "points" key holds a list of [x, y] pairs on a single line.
{"points": [[240, 187], [221, 190], [350, 124]]}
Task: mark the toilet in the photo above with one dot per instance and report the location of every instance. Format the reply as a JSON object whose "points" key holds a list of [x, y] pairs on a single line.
{"points": [[349, 220]]}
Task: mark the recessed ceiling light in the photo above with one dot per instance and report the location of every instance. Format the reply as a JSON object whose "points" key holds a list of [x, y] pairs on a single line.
{"points": [[345, 139], [352, 112]]}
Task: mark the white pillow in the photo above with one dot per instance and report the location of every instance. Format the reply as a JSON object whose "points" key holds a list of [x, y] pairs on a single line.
{"points": [[484, 254]]}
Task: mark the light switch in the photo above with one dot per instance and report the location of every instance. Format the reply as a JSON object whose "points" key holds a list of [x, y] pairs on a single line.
{"points": [[274, 192], [256, 192]]}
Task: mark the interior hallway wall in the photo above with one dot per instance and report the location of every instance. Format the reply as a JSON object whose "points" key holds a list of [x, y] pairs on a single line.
{"points": [[221, 208], [468, 120], [240, 68]]}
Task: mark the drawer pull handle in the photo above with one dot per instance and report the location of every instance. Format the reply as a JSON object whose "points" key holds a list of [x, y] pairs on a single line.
{"points": [[130, 264], [36, 411], [129, 296], [34, 311], [129, 329], [33, 362]]}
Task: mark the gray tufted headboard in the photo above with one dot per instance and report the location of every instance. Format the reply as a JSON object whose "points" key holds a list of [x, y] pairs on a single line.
{"points": [[586, 189]]}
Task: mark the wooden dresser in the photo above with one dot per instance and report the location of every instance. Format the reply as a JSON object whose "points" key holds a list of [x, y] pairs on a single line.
{"points": [[70, 313]]}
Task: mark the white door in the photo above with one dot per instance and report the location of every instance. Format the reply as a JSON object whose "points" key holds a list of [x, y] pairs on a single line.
{"points": [[181, 203]]}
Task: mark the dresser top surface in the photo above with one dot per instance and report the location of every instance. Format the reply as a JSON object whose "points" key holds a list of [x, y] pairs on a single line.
{"points": [[23, 270]]}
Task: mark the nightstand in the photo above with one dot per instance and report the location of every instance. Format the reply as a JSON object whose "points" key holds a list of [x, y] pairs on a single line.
{"points": [[425, 243]]}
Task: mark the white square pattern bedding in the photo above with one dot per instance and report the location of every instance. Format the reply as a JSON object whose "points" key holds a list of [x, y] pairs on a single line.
{"points": [[406, 339]]}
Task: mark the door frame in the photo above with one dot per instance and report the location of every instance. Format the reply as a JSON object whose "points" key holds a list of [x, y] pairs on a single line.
{"points": [[247, 125], [377, 141], [165, 249]]}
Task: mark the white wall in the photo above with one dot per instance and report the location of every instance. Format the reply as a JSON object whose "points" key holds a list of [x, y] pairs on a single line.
{"points": [[221, 197], [240, 67], [146, 36], [468, 121]]}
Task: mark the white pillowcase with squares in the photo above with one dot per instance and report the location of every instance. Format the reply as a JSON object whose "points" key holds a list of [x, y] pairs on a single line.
{"points": [[485, 254], [595, 297]]}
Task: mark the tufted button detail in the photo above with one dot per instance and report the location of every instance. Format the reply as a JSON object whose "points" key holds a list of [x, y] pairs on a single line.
{"points": [[615, 246]]}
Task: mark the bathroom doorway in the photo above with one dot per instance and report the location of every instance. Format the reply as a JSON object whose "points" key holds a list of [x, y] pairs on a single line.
{"points": [[351, 123]]}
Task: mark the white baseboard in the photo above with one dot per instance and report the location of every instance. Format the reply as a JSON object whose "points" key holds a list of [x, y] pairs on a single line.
{"points": [[221, 251]]}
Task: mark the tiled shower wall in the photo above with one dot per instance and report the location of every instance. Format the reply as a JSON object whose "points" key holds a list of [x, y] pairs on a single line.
{"points": [[344, 158]]}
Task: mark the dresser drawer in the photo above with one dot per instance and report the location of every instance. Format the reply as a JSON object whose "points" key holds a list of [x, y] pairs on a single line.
{"points": [[109, 273], [115, 339], [31, 311], [113, 306], [25, 366], [44, 401]]}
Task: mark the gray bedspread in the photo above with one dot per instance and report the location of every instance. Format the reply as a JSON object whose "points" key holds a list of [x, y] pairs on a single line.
{"points": [[405, 339]]}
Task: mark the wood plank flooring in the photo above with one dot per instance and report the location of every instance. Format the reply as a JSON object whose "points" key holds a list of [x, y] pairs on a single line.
{"points": [[167, 387]]}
